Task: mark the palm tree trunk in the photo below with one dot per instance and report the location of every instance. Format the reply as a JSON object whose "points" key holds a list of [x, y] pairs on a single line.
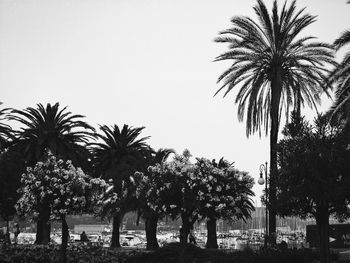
{"points": [[212, 241], [64, 244], [322, 221], [115, 231], [297, 104], [274, 114], [151, 231]]}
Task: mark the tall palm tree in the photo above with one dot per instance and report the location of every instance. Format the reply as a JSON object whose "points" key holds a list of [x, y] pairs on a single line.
{"points": [[341, 78], [272, 65], [54, 129], [118, 156]]}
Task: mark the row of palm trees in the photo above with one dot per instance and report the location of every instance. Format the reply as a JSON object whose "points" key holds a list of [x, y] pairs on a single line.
{"points": [[278, 70], [114, 153]]}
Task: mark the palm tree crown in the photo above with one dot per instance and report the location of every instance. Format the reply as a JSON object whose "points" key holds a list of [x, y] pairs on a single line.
{"points": [[119, 149], [51, 128], [341, 77], [274, 68]]}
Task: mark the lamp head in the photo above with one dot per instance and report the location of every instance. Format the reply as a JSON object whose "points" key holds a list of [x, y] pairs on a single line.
{"points": [[261, 180]]}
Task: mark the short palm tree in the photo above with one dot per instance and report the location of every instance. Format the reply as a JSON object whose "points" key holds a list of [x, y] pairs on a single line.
{"points": [[275, 68], [118, 156], [54, 129], [341, 78]]}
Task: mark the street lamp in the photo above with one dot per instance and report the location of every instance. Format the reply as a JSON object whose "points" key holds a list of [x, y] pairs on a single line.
{"points": [[261, 181]]}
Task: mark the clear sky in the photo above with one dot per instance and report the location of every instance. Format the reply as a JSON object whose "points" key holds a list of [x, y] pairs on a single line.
{"points": [[140, 62]]}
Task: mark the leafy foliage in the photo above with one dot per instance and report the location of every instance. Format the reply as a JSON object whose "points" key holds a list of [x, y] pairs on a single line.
{"points": [[314, 168], [223, 191], [194, 191], [50, 254], [168, 187], [59, 186], [176, 252], [11, 167], [314, 176]]}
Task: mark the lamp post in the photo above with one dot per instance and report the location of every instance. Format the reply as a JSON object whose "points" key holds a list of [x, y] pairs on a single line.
{"points": [[261, 181]]}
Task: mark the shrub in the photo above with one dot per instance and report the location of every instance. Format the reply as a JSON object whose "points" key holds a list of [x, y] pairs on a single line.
{"points": [[51, 254], [186, 253]]}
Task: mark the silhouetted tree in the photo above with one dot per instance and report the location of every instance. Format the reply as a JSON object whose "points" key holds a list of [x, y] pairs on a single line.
{"points": [[59, 131], [117, 157], [11, 168], [314, 176], [275, 70]]}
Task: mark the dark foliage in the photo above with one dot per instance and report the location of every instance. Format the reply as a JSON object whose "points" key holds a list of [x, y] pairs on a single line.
{"points": [[313, 179], [58, 130], [12, 165], [188, 253]]}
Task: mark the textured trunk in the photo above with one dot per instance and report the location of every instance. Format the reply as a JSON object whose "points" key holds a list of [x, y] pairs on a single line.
{"points": [[64, 244], [185, 229], [151, 231], [274, 115], [212, 241], [322, 221], [297, 104], [115, 231], [43, 228]]}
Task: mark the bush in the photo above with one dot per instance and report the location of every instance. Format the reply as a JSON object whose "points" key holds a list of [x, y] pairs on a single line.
{"points": [[170, 253], [187, 253], [51, 254]]}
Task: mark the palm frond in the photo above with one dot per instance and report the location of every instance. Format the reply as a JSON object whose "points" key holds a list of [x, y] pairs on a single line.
{"points": [[343, 40], [53, 128], [259, 50]]}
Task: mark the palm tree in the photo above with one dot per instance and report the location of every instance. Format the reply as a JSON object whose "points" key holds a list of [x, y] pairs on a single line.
{"points": [[49, 128], [118, 156], [341, 77], [272, 66]]}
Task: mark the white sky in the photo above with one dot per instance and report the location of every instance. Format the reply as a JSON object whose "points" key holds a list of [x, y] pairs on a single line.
{"points": [[140, 62]]}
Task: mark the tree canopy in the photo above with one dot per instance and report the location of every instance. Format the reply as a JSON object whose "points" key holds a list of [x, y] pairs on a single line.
{"points": [[314, 179]]}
